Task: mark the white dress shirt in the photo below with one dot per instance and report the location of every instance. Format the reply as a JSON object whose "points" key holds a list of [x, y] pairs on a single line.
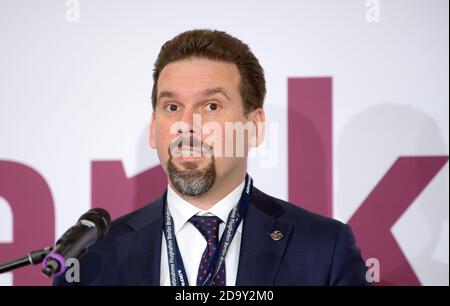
{"points": [[191, 242]]}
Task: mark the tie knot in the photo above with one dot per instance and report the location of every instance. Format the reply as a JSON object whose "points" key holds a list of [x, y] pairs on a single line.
{"points": [[207, 225]]}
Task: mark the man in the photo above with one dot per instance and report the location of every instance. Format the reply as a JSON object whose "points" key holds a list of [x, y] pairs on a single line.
{"points": [[211, 226]]}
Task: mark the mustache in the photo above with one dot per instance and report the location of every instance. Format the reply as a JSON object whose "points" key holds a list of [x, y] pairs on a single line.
{"points": [[190, 141]]}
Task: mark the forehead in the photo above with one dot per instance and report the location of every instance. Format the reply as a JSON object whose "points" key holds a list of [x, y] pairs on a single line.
{"points": [[190, 76]]}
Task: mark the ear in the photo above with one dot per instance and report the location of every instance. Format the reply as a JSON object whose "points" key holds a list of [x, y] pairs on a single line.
{"points": [[258, 134], [152, 132]]}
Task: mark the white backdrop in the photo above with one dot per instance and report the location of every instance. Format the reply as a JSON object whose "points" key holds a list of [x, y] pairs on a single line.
{"points": [[77, 90]]}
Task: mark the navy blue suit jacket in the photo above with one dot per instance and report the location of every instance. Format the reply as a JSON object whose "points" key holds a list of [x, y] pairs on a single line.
{"points": [[314, 250]]}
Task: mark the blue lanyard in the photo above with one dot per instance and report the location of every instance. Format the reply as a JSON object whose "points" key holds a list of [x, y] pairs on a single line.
{"points": [[177, 272]]}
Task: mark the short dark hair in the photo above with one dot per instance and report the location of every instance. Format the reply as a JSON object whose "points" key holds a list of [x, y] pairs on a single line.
{"points": [[220, 46]]}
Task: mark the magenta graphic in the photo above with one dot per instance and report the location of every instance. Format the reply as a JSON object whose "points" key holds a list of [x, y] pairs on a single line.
{"points": [[310, 150], [373, 221], [310, 179], [119, 194], [310, 143], [32, 208]]}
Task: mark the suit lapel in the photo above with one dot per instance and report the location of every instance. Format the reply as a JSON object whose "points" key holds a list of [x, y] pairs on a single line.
{"points": [[261, 247], [139, 252]]}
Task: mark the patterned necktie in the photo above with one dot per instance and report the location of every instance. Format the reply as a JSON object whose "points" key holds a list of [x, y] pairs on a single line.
{"points": [[209, 228]]}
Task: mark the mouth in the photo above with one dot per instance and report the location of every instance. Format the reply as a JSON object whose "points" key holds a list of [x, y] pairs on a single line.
{"points": [[190, 151]]}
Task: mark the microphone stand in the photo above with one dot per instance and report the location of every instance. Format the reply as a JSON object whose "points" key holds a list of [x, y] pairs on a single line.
{"points": [[34, 258]]}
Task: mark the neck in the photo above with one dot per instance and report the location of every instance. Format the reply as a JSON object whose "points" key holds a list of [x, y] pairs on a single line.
{"points": [[221, 188]]}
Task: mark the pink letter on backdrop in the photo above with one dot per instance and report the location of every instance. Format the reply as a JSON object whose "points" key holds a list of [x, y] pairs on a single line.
{"points": [[310, 143], [373, 221], [114, 191], [310, 179], [31, 203]]}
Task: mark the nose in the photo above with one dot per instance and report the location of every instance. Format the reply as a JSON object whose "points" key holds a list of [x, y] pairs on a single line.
{"points": [[192, 123]]}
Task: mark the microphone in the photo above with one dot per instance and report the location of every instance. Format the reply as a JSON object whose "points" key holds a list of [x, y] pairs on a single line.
{"points": [[91, 226]]}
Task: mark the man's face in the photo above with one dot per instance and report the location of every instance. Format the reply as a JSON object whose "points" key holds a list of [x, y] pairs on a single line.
{"points": [[209, 90]]}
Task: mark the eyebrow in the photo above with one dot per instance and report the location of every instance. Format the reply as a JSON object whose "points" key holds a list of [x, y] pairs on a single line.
{"points": [[212, 91], [204, 93], [166, 94]]}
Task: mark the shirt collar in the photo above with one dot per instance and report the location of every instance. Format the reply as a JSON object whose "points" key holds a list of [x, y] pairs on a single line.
{"points": [[181, 210]]}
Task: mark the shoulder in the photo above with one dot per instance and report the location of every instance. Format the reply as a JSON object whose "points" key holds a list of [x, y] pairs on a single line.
{"points": [[317, 241], [293, 213], [308, 228], [132, 221]]}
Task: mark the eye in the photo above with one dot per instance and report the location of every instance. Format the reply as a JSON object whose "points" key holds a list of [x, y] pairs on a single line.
{"points": [[212, 107], [171, 108]]}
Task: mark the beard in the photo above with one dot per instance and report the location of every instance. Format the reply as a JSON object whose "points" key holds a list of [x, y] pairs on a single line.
{"points": [[192, 181]]}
